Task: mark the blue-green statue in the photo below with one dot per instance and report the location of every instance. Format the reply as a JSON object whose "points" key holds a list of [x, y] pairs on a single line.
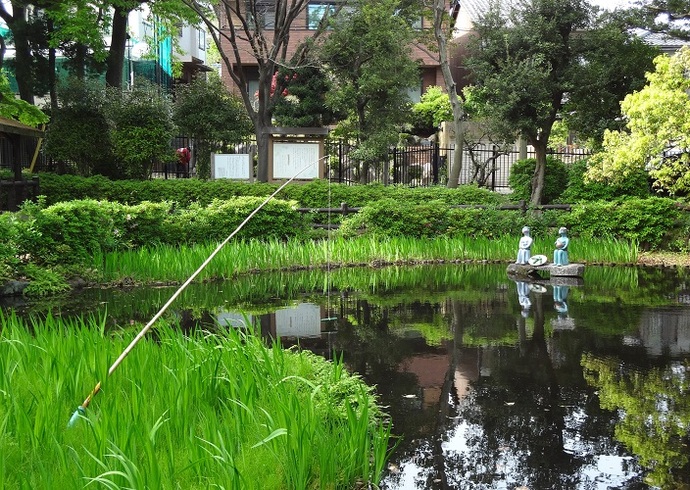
{"points": [[560, 255]]}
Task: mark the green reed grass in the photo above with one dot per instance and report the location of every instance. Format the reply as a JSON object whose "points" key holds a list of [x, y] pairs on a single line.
{"points": [[196, 411], [166, 263]]}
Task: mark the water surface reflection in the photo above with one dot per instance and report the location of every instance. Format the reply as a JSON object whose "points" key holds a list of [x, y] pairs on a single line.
{"points": [[491, 384]]}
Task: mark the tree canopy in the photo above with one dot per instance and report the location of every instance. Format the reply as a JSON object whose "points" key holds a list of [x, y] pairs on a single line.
{"points": [[657, 130], [368, 55], [551, 59]]}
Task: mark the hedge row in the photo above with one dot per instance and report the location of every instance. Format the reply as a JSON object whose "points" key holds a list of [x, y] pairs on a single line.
{"points": [[184, 192], [69, 233], [654, 223]]}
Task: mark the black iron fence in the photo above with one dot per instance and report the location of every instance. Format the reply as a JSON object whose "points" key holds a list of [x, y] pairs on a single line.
{"points": [[415, 165], [427, 165]]}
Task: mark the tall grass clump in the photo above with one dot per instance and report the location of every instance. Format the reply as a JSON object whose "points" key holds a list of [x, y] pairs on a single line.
{"points": [[167, 263], [183, 411]]}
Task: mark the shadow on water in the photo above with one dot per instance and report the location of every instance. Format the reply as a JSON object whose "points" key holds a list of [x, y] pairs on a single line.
{"points": [[490, 383]]}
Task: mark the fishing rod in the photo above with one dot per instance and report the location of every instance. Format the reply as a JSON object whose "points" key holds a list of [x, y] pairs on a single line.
{"points": [[81, 409]]}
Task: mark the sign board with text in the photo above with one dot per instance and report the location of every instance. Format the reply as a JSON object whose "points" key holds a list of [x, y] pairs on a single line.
{"points": [[236, 166]]}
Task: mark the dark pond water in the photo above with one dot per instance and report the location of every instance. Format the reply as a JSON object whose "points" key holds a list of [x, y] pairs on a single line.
{"points": [[491, 384]]}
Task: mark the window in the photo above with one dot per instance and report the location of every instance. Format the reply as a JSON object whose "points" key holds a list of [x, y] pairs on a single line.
{"points": [[202, 39], [316, 12]]}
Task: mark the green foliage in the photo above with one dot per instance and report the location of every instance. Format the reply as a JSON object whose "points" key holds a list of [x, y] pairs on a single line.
{"points": [[579, 189], [654, 223], [73, 232], [657, 131], [81, 116], [9, 247], [391, 218], [44, 281], [368, 54], [555, 179], [263, 418], [205, 111], [141, 130], [304, 103], [433, 109], [127, 131], [183, 192], [13, 108]]}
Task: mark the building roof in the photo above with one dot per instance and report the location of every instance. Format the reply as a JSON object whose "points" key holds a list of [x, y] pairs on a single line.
{"points": [[15, 127]]}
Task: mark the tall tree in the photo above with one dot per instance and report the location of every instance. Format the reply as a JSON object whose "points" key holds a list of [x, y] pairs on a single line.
{"points": [[528, 68], [442, 26], [16, 16], [205, 111], [368, 55], [260, 30]]}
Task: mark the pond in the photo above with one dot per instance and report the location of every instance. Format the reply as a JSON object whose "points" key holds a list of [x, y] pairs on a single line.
{"points": [[491, 384]]}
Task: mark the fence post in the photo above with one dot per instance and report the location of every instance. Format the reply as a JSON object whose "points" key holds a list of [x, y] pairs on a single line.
{"points": [[523, 206], [396, 172], [343, 208], [434, 167]]}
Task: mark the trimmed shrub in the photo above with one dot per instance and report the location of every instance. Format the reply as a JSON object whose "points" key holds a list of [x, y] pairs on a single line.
{"points": [[72, 232], [635, 185], [555, 179], [183, 192], [387, 218], [655, 223]]}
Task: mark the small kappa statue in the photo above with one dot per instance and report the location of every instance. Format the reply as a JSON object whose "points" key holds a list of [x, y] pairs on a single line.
{"points": [[560, 255], [525, 245]]}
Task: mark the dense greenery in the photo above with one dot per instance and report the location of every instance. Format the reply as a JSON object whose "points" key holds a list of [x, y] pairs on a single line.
{"points": [[71, 232], [579, 188], [555, 179], [190, 410], [539, 60], [127, 131], [212, 117], [655, 138], [318, 193]]}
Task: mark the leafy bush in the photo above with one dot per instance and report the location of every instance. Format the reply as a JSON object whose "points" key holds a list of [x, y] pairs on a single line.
{"points": [[654, 222], [635, 185], [9, 247], [141, 129], [70, 233], [555, 179], [315, 194], [387, 218], [81, 116]]}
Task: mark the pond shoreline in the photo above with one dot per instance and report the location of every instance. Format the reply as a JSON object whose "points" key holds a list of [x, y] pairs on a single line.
{"points": [[16, 287]]}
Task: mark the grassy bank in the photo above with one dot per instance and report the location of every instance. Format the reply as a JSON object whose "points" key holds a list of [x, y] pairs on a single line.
{"points": [[165, 263], [183, 411]]}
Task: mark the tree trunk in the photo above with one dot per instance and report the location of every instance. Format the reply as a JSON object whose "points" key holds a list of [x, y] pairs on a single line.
{"points": [[262, 142], [539, 172], [118, 44], [52, 82], [23, 58], [440, 16]]}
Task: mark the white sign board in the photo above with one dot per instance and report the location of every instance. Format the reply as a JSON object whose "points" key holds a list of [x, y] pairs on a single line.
{"points": [[302, 321], [291, 158], [231, 166]]}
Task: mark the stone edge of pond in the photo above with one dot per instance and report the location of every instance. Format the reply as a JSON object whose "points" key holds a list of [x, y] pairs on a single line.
{"points": [[16, 287]]}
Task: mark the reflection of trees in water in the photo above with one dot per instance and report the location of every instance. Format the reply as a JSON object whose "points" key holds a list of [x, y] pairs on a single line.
{"points": [[655, 414], [519, 424]]}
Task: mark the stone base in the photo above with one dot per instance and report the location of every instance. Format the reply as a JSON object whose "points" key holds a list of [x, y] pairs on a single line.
{"points": [[526, 270]]}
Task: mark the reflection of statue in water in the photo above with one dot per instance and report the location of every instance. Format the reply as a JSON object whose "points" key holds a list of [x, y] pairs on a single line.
{"points": [[525, 245], [560, 296], [523, 297], [560, 255]]}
